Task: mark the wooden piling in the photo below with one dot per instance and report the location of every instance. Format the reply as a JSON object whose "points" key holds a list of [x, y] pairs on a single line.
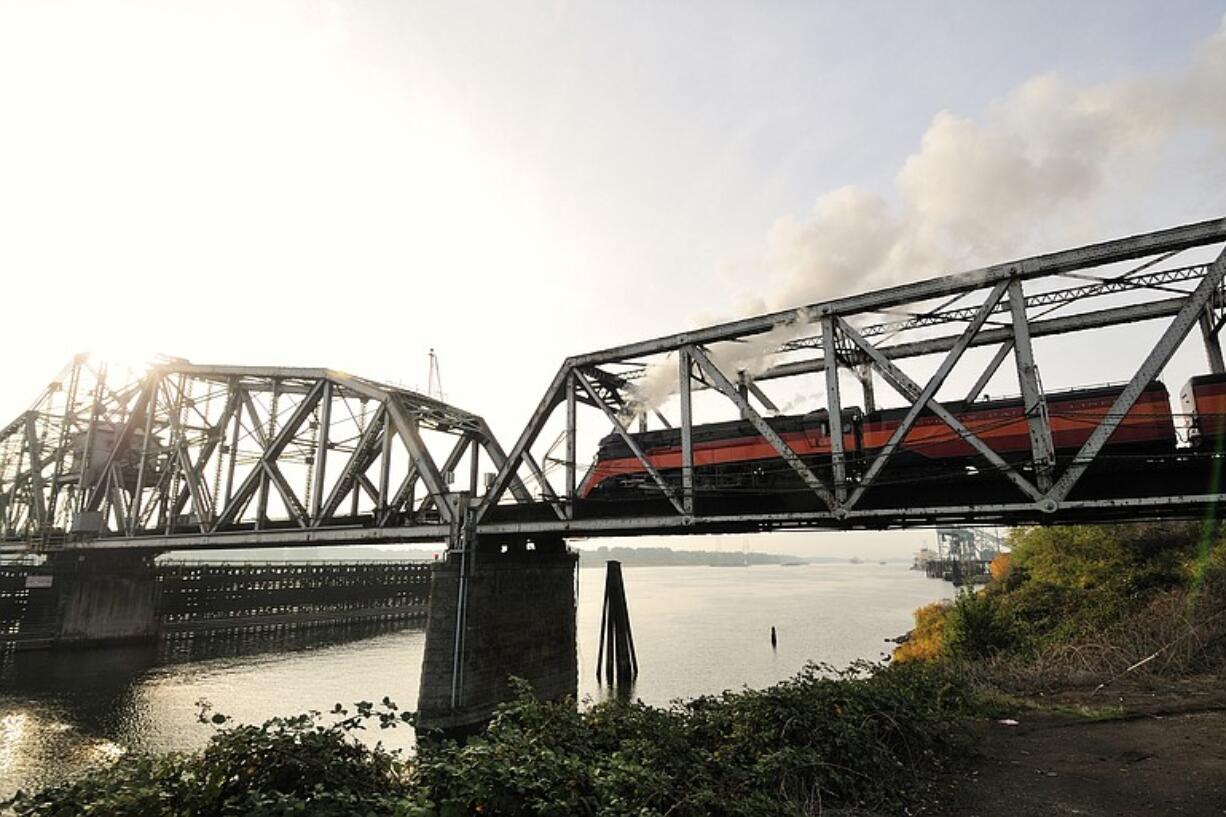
{"points": [[615, 655]]}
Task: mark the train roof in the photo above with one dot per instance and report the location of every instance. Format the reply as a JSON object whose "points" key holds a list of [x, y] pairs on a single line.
{"points": [[714, 431], [1206, 379], [959, 406], [782, 423]]}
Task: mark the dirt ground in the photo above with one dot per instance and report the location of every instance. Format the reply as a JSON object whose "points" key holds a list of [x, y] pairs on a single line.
{"points": [[1141, 750]]}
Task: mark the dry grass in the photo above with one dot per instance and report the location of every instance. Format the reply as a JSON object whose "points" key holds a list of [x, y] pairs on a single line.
{"points": [[1181, 632]]}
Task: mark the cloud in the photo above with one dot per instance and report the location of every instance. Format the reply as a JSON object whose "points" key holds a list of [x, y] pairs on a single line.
{"points": [[1037, 168]]}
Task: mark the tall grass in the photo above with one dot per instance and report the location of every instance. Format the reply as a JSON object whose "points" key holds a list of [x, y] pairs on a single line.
{"points": [[1178, 633]]}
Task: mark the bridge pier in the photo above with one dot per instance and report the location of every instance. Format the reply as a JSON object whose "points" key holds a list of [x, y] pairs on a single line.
{"points": [[512, 607], [93, 598]]}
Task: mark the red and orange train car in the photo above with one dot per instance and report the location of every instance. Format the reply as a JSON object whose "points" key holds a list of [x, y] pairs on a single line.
{"points": [[732, 457], [1203, 401]]}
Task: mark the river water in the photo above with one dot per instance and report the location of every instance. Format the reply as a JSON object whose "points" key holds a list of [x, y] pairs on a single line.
{"points": [[696, 629]]}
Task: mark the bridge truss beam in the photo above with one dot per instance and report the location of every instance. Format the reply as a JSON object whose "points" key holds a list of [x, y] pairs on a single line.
{"points": [[232, 453], [198, 456], [994, 311]]}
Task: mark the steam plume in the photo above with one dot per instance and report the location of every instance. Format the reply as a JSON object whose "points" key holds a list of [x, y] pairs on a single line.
{"points": [[1035, 170], [1038, 169]]}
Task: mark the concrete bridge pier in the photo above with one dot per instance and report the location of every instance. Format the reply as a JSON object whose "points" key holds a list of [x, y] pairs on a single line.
{"points": [[510, 603], [92, 598]]}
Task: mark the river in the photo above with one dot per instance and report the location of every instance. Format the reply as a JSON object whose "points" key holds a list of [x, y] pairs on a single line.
{"points": [[696, 629]]}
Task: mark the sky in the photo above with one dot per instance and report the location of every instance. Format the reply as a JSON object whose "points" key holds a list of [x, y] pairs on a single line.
{"points": [[351, 184]]}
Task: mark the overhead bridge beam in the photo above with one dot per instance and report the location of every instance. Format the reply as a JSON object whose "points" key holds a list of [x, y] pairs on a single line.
{"points": [[1101, 319], [289, 538], [1163, 280], [1094, 255]]}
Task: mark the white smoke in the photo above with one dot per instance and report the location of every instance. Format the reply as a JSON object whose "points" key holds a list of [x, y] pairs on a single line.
{"points": [[660, 382], [1035, 171], [661, 379]]}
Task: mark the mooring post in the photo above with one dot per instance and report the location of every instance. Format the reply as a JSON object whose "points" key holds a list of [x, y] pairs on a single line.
{"points": [[616, 653]]}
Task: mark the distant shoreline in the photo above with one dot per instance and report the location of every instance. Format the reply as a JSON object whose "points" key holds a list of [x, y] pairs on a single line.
{"points": [[823, 563], [667, 557]]}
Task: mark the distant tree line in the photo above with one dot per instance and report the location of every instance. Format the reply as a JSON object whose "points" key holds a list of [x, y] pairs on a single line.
{"points": [[662, 556]]}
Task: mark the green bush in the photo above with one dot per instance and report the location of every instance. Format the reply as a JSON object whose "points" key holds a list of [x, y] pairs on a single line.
{"points": [[975, 626], [286, 766], [866, 736], [1070, 583]]}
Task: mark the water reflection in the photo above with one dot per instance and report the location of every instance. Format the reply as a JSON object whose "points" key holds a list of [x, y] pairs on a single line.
{"points": [[205, 646], [696, 631], [623, 691], [63, 711]]}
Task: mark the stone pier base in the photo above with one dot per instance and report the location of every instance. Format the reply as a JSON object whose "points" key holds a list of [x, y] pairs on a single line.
{"points": [[519, 622], [95, 598]]}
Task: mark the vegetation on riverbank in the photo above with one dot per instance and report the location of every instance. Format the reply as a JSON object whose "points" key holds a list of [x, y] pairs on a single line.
{"points": [[1085, 604], [868, 736]]}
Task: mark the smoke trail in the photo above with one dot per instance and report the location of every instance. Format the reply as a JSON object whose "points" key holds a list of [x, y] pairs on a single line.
{"points": [[752, 356], [1037, 169]]}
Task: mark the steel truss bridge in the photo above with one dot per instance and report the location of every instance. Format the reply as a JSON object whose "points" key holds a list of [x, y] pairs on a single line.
{"points": [[188, 456]]}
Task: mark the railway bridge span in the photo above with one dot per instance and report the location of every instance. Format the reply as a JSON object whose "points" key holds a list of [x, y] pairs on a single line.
{"points": [[105, 471]]}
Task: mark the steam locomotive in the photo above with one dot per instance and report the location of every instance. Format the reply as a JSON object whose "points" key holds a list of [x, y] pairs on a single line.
{"points": [[733, 459]]}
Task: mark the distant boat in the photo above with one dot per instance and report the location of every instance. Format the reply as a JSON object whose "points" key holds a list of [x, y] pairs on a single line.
{"points": [[856, 560], [881, 562]]}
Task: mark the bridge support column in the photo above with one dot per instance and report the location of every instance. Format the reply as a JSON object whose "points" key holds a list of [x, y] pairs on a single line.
{"points": [[94, 598], [517, 620]]}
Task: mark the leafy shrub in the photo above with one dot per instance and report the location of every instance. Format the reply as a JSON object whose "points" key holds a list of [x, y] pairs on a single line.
{"points": [[1179, 632], [926, 642], [286, 766], [975, 626], [866, 736], [998, 569], [1080, 581]]}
